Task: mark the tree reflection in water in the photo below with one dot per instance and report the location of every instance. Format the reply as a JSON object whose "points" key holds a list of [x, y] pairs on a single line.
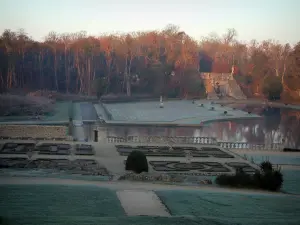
{"points": [[275, 126]]}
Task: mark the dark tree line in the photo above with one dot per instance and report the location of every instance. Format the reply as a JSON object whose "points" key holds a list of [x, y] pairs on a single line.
{"points": [[143, 62]]}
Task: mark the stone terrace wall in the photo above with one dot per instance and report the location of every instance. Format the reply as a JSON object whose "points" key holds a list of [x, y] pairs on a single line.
{"points": [[33, 131]]}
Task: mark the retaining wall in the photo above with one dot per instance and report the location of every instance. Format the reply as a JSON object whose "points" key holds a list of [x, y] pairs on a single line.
{"points": [[33, 131]]}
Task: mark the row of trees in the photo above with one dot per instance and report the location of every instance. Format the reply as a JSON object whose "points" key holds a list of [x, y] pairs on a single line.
{"points": [[141, 62]]}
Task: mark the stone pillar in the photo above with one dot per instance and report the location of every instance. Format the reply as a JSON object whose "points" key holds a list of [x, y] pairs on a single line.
{"points": [[95, 135], [161, 104]]}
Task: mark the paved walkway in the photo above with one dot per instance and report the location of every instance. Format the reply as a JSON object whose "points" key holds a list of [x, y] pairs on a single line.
{"points": [[141, 203]]}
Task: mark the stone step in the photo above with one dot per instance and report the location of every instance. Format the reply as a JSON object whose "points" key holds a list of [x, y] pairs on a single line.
{"points": [[77, 123]]}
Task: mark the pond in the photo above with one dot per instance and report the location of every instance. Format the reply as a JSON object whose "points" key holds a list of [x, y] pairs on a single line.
{"points": [[277, 125]]}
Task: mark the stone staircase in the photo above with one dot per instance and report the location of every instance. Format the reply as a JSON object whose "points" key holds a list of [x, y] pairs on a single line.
{"points": [[235, 90], [211, 94], [228, 86]]}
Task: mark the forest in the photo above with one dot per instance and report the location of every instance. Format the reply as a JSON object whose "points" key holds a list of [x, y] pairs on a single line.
{"points": [[154, 62]]}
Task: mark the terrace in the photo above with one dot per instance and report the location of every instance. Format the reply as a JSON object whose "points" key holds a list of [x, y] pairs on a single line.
{"points": [[181, 112]]}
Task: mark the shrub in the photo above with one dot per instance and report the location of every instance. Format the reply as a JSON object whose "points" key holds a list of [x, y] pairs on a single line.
{"points": [[272, 88], [240, 179], [267, 178], [266, 166], [137, 162], [271, 180], [291, 150]]}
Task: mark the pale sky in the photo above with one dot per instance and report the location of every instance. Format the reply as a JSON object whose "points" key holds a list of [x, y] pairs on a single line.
{"points": [[253, 19]]}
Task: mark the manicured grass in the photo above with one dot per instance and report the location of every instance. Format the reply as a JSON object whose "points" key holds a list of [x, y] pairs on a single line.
{"points": [[14, 118], [38, 203], [60, 113], [233, 207], [90, 205], [291, 181], [136, 220], [49, 174], [274, 159]]}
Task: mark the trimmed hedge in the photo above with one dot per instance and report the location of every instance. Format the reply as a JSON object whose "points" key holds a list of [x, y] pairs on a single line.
{"points": [[137, 162], [266, 178]]}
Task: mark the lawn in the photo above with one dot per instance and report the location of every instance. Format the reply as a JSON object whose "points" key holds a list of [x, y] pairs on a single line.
{"points": [[233, 207], [275, 159], [40, 204], [135, 220], [291, 183], [82, 204], [49, 174], [60, 113]]}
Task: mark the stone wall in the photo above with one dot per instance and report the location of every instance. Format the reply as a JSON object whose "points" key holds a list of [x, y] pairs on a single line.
{"points": [[228, 85], [33, 131]]}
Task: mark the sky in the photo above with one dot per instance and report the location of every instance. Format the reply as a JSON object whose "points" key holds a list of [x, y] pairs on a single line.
{"points": [[252, 19]]}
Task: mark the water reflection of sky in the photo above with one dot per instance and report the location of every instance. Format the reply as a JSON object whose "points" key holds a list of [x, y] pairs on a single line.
{"points": [[276, 126]]}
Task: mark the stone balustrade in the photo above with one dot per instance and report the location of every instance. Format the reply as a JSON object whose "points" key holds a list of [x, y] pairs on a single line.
{"points": [[217, 76], [33, 132], [163, 140], [193, 140], [241, 145]]}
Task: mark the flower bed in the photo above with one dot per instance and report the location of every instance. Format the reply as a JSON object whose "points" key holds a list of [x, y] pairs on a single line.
{"points": [[53, 149], [16, 148], [177, 151], [78, 166]]}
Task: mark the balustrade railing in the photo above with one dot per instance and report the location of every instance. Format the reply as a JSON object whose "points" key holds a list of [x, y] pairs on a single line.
{"points": [[163, 140], [240, 145], [193, 140]]}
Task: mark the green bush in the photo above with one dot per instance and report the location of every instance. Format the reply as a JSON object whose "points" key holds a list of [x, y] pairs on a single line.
{"points": [[240, 179], [267, 178], [271, 181], [266, 166], [137, 162], [272, 88]]}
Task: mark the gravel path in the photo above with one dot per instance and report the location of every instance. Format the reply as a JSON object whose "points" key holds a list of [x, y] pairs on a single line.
{"points": [[141, 203]]}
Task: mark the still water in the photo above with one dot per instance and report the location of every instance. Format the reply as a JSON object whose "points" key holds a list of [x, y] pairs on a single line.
{"points": [[276, 125]]}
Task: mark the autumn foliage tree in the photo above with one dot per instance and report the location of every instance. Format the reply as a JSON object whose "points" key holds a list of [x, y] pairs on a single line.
{"points": [[272, 88], [152, 63]]}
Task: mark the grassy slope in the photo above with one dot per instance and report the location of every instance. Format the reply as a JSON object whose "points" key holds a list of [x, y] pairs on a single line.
{"points": [[55, 204], [41, 203], [233, 207]]}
